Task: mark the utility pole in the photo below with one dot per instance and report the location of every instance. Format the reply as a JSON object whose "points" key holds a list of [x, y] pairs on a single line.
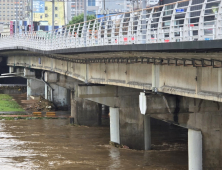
{"points": [[16, 20], [104, 8], [85, 19], [76, 6], [31, 16], [85, 11], [144, 4], [53, 14]]}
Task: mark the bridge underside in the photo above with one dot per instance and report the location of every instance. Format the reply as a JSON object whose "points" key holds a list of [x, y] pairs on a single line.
{"points": [[196, 75]]}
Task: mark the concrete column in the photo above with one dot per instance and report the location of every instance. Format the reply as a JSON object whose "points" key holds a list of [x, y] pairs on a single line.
{"points": [[35, 88], [100, 115], [147, 133], [59, 96], [195, 149], [84, 112], [114, 125], [46, 92], [132, 128], [73, 108], [11, 69]]}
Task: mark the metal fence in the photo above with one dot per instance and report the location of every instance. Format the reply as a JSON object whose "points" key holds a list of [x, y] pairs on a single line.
{"points": [[194, 20]]}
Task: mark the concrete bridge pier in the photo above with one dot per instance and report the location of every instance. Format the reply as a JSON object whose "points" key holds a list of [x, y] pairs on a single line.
{"points": [[35, 88], [84, 112], [203, 119], [60, 96], [128, 127]]}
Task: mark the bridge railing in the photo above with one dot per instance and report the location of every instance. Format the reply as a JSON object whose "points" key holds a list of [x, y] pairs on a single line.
{"points": [[189, 20]]}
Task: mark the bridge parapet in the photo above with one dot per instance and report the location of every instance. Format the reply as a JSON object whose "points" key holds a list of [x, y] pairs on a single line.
{"points": [[176, 22]]}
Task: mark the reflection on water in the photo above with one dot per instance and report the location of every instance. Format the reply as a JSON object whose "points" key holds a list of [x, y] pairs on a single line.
{"points": [[53, 144]]}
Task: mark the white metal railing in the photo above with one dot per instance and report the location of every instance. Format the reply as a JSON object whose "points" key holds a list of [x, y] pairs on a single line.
{"points": [[189, 20]]}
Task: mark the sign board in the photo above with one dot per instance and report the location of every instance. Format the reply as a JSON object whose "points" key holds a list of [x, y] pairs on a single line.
{"points": [[30, 28], [11, 27], [152, 2], [43, 23], [38, 6], [179, 10]]}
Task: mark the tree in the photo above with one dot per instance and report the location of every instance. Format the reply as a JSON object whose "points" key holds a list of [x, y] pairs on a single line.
{"points": [[80, 18]]}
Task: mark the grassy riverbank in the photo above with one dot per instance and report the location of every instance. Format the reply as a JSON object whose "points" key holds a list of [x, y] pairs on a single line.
{"points": [[7, 104]]}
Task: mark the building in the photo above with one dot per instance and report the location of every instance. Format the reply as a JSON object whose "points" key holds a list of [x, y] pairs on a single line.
{"points": [[45, 14], [9, 9], [76, 7], [116, 6], [4, 29]]}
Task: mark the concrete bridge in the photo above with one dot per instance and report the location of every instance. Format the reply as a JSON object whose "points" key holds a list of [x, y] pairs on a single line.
{"points": [[156, 62]]}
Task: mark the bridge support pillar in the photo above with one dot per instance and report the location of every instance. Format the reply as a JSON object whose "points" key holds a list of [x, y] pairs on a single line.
{"points": [[114, 125], [134, 129], [147, 133], [128, 127], [58, 95], [84, 112], [195, 150], [35, 88]]}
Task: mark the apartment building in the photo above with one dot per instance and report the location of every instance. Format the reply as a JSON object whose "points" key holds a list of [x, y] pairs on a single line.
{"points": [[46, 13], [9, 9]]}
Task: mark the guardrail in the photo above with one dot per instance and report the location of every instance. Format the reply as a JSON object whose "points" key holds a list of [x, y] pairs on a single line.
{"points": [[194, 20]]}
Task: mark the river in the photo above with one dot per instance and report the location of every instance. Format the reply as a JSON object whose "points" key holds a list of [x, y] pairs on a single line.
{"points": [[54, 144]]}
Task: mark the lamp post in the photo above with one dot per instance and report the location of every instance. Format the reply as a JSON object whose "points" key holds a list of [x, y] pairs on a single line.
{"points": [[31, 15]]}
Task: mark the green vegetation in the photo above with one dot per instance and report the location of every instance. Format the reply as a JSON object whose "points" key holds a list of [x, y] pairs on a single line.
{"points": [[80, 18], [7, 104]]}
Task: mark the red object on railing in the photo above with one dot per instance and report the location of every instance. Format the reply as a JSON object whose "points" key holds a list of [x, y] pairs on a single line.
{"points": [[132, 38], [167, 40], [191, 25], [125, 39]]}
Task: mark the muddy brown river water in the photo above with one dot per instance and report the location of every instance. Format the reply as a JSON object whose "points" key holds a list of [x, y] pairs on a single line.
{"points": [[54, 144]]}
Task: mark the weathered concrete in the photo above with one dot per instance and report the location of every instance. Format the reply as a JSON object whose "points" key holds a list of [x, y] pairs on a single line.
{"points": [[189, 81], [84, 112], [147, 133], [35, 88], [125, 102], [131, 124], [29, 73], [59, 95], [204, 116]]}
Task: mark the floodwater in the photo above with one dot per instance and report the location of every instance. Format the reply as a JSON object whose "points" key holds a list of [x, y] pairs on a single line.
{"points": [[54, 144]]}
